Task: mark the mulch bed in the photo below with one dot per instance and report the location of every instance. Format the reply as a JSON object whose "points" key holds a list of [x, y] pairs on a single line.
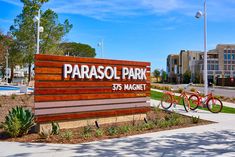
{"points": [[8, 102], [78, 135]]}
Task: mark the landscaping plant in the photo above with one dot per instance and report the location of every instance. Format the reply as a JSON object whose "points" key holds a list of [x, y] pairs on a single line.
{"points": [[99, 132], [55, 128], [112, 130], [18, 121], [67, 135], [195, 119]]}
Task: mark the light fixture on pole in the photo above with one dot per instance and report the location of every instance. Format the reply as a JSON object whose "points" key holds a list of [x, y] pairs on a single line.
{"points": [[39, 29], [101, 45], [198, 15]]}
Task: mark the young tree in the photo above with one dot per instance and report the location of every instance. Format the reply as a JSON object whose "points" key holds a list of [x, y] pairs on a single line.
{"points": [[163, 75], [10, 48], [24, 31], [187, 76], [77, 49], [156, 74]]}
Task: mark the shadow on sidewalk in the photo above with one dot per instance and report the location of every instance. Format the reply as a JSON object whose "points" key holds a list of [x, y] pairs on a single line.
{"points": [[206, 144]]}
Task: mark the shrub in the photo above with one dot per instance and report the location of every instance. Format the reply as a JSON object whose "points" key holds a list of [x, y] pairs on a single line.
{"points": [[99, 132], [45, 133], [13, 96], [195, 119], [112, 130], [180, 90], [167, 88], [233, 99], [18, 121], [87, 130], [55, 128], [170, 120], [193, 90], [67, 135], [148, 126], [163, 124], [222, 97], [124, 129]]}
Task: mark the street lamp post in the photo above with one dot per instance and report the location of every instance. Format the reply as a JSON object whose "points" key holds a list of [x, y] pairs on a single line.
{"points": [[101, 45], [198, 15], [39, 29]]}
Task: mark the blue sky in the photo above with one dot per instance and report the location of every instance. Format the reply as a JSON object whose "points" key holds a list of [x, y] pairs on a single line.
{"points": [[144, 30]]}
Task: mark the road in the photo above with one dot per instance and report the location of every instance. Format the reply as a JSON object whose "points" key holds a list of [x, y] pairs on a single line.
{"points": [[217, 91]]}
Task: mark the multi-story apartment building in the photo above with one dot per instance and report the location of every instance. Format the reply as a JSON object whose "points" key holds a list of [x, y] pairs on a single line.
{"points": [[188, 61], [220, 63], [173, 67]]}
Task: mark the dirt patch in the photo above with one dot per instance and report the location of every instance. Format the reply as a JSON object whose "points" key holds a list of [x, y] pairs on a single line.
{"points": [[8, 102]]}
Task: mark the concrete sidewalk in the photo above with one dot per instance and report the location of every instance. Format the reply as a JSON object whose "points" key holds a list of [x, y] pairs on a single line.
{"points": [[216, 139]]}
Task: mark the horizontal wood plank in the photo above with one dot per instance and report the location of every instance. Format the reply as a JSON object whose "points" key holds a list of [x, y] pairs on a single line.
{"points": [[59, 77], [59, 91], [42, 57], [96, 114], [88, 108], [75, 84], [45, 98], [41, 105], [48, 66]]}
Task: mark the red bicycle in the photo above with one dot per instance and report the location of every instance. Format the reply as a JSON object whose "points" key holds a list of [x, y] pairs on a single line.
{"points": [[212, 103]]}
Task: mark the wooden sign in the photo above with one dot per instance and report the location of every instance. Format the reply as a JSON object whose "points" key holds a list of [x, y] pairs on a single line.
{"points": [[79, 88]]}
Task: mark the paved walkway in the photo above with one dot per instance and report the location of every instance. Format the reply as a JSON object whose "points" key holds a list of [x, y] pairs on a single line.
{"points": [[216, 139]]}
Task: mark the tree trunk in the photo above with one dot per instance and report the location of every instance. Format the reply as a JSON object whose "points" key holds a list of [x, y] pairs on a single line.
{"points": [[12, 73], [29, 76]]}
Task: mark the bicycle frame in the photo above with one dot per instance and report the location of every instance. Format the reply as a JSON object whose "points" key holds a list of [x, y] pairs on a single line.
{"points": [[207, 97], [176, 100]]}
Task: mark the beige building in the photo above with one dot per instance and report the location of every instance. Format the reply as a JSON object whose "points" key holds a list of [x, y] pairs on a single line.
{"points": [[172, 67], [220, 63]]}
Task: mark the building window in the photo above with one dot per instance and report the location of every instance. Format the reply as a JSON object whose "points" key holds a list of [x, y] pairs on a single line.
{"points": [[229, 56], [175, 61], [212, 67], [233, 56], [216, 67], [229, 67], [225, 67], [225, 56], [209, 67], [229, 51]]}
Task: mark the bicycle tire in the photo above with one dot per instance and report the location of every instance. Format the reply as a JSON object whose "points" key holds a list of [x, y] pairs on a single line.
{"points": [[219, 105], [186, 103], [166, 101], [194, 101]]}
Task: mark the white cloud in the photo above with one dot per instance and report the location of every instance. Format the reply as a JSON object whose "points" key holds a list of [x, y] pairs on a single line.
{"points": [[114, 9]]}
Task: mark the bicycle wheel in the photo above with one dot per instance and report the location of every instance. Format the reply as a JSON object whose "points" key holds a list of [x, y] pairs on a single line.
{"points": [[166, 101], [193, 101], [186, 103], [214, 105]]}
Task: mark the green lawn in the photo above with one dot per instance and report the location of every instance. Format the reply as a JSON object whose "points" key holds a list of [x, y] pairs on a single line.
{"points": [[158, 95]]}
